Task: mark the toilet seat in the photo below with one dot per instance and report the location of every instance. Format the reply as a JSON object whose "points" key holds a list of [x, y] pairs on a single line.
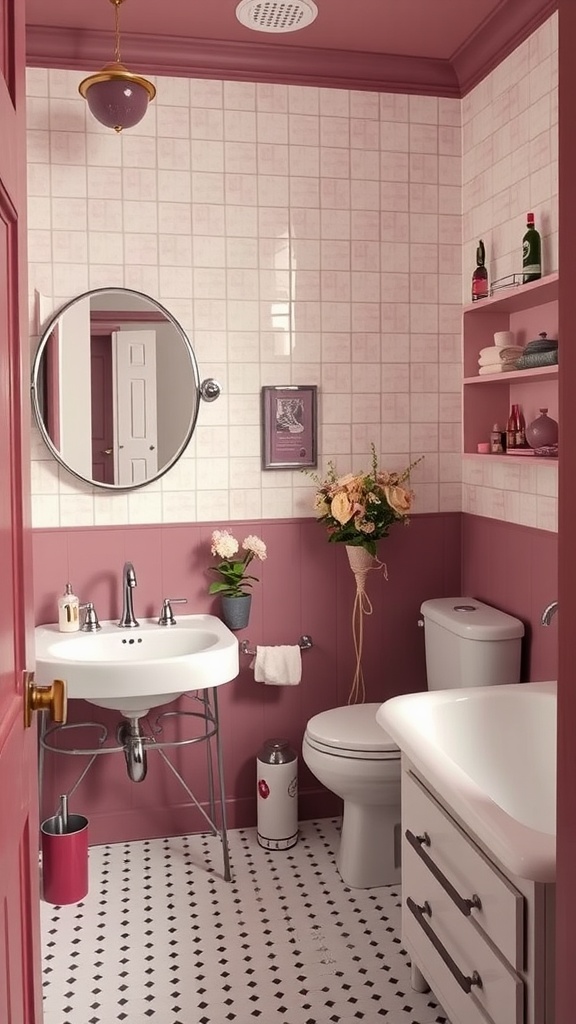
{"points": [[351, 732]]}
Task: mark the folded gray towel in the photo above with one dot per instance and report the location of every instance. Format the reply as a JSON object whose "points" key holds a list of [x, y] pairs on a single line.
{"points": [[541, 344]]}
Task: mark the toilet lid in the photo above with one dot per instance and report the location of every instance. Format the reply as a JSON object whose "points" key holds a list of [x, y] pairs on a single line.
{"points": [[350, 728]]}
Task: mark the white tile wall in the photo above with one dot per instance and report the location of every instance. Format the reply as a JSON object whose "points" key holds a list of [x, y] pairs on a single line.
{"points": [[300, 235], [510, 166], [510, 157], [287, 231]]}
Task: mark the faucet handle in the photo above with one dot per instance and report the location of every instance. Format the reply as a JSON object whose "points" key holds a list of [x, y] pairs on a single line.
{"points": [[90, 624], [167, 615], [549, 611]]}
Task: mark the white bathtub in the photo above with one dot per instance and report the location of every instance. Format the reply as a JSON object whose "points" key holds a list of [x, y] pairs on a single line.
{"points": [[490, 753]]}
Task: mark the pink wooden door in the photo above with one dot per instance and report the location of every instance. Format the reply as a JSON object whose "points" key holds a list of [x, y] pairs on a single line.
{"points": [[20, 999]]}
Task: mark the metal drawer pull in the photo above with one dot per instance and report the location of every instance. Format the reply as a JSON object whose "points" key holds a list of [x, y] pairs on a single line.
{"points": [[464, 905], [464, 980], [425, 908]]}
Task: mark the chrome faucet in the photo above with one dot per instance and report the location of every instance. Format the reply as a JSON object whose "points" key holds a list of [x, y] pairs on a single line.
{"points": [[548, 613], [128, 584]]}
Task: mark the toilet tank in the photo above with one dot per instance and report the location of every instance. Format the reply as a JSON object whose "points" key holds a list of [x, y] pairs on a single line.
{"points": [[469, 643]]}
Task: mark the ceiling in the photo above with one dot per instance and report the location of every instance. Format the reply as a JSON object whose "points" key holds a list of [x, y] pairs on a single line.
{"points": [[441, 46]]}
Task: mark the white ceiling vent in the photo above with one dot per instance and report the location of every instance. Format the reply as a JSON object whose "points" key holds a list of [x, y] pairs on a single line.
{"points": [[276, 15]]}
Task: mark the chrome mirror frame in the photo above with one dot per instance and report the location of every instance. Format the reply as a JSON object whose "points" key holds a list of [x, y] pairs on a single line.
{"points": [[36, 383]]}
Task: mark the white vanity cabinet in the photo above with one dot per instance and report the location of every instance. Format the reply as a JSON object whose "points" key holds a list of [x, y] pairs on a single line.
{"points": [[481, 938]]}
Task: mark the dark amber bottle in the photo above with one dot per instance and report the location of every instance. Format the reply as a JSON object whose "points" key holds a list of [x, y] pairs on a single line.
{"points": [[531, 252], [480, 275]]}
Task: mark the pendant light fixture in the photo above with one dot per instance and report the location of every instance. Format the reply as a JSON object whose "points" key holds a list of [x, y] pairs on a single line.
{"points": [[117, 98]]}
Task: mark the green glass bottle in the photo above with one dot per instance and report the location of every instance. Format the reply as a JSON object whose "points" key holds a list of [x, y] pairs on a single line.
{"points": [[531, 252]]}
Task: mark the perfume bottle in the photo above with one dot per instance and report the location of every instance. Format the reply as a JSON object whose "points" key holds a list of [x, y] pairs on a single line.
{"points": [[497, 440]]}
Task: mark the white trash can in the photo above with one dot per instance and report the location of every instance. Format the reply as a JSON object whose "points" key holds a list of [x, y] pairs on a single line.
{"points": [[277, 795]]}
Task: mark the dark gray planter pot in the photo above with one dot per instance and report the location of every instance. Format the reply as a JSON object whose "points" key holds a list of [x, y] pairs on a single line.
{"points": [[236, 611]]}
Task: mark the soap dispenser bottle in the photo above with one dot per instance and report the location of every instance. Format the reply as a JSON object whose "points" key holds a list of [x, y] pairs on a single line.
{"points": [[68, 611]]}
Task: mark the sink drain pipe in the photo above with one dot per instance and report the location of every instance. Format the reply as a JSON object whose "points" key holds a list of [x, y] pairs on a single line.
{"points": [[130, 736]]}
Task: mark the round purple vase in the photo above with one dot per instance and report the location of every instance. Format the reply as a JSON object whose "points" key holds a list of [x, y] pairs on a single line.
{"points": [[542, 431]]}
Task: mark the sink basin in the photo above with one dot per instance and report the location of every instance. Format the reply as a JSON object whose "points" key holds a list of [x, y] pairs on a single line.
{"points": [[133, 670], [490, 755]]}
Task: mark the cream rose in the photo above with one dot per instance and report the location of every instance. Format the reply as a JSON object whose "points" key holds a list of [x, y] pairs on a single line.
{"points": [[341, 508], [399, 499]]}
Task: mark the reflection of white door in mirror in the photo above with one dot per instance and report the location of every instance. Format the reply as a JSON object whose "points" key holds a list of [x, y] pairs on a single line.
{"points": [[115, 388], [135, 420]]}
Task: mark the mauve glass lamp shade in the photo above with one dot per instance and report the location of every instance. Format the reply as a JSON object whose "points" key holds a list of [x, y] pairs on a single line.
{"points": [[117, 98]]}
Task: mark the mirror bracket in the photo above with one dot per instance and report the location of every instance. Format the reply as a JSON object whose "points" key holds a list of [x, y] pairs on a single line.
{"points": [[210, 390]]}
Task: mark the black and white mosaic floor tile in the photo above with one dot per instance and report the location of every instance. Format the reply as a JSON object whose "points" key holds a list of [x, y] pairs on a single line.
{"points": [[161, 938]]}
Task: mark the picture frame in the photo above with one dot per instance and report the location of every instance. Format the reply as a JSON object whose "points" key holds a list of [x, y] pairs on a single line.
{"points": [[289, 426]]}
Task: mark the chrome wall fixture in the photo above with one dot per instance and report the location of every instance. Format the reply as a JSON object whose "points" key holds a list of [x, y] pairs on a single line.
{"points": [[305, 643], [117, 98]]}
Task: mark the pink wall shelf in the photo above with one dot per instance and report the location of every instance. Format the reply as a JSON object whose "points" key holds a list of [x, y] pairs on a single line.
{"points": [[514, 300], [527, 311], [534, 460], [540, 372]]}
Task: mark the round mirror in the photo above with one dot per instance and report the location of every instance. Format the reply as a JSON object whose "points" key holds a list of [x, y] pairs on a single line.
{"points": [[115, 388]]}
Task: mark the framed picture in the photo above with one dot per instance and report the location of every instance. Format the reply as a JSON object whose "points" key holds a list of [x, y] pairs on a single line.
{"points": [[289, 426]]}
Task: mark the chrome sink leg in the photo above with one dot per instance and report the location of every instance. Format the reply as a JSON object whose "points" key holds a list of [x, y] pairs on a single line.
{"points": [[220, 760]]}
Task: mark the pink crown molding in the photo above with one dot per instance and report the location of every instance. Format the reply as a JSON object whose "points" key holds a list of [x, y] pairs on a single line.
{"points": [[260, 62], [512, 22], [510, 25]]}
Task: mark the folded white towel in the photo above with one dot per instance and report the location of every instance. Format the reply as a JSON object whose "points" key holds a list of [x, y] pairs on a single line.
{"points": [[499, 355], [496, 368], [279, 666]]}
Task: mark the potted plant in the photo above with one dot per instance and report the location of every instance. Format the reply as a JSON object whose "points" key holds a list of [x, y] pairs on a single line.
{"points": [[234, 581]]}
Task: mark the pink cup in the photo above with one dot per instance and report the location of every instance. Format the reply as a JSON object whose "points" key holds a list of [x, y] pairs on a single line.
{"points": [[65, 860]]}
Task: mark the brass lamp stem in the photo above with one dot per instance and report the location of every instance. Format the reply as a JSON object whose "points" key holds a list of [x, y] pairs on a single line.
{"points": [[117, 3]]}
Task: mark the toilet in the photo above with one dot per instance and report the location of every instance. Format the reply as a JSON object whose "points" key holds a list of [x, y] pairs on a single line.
{"points": [[467, 643]]}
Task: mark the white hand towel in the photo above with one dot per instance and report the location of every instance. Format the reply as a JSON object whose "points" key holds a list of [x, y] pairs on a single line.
{"points": [[499, 355], [496, 368], [278, 666]]}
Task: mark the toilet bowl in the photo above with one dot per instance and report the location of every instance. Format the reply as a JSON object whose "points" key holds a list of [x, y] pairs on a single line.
{"points": [[467, 643], [350, 754]]}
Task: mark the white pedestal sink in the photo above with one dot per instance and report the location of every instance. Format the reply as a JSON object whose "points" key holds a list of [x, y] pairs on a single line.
{"points": [[133, 670]]}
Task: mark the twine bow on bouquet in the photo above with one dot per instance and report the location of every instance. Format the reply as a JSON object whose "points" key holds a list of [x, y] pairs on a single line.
{"points": [[361, 562], [358, 509]]}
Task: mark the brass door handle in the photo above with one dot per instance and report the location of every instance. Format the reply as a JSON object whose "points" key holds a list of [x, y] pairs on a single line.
{"points": [[51, 698], [106, 451]]}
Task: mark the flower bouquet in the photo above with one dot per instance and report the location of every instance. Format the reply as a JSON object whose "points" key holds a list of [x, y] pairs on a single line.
{"points": [[358, 510]]}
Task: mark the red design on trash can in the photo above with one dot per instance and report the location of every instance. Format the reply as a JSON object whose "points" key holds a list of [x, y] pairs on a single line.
{"points": [[263, 788]]}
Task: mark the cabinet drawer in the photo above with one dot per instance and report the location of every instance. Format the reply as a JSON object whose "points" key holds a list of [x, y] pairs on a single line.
{"points": [[501, 911], [499, 991]]}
